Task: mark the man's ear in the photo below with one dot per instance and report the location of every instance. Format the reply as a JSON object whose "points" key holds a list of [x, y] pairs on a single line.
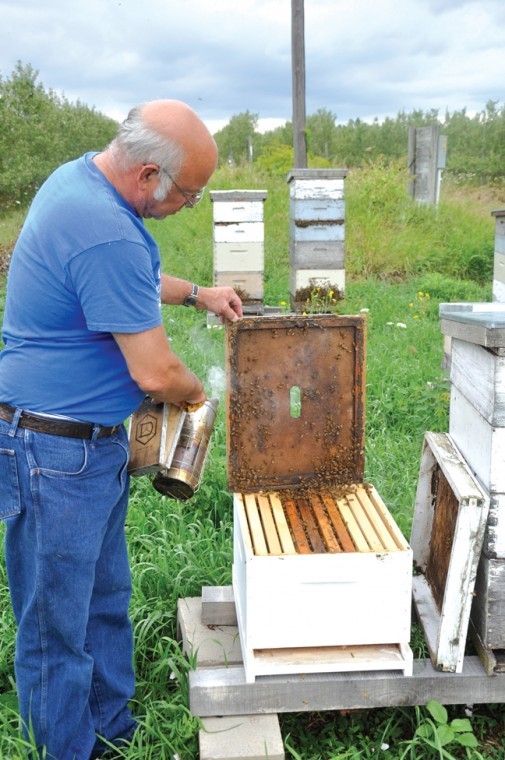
{"points": [[146, 174]]}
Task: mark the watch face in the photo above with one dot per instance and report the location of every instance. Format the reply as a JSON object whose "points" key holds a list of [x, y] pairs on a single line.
{"points": [[192, 298]]}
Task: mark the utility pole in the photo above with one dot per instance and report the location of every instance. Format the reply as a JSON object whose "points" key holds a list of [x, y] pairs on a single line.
{"points": [[298, 78]]}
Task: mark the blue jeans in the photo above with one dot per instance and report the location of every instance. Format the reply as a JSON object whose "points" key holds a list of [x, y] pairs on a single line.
{"points": [[64, 502]]}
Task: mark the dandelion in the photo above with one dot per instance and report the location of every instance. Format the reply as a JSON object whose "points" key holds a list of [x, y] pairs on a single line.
{"points": [[416, 316], [411, 305], [283, 303]]}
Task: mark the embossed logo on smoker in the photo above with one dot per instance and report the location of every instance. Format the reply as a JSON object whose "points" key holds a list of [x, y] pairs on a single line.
{"points": [[146, 429]]}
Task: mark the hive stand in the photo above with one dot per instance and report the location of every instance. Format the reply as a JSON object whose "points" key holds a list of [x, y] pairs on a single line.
{"points": [[218, 687]]}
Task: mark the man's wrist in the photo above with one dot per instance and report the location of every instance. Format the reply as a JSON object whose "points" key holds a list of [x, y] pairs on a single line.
{"points": [[192, 298]]}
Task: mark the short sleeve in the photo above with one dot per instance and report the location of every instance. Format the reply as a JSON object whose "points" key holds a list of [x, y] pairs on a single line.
{"points": [[118, 287]]}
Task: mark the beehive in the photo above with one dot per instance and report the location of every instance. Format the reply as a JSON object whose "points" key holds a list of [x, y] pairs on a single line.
{"points": [[477, 427], [239, 243], [317, 232], [321, 573]]}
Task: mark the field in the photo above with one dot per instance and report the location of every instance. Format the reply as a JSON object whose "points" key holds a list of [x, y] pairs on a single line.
{"points": [[401, 263]]}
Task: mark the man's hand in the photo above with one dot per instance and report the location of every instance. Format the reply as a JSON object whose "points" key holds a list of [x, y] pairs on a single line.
{"points": [[222, 301]]}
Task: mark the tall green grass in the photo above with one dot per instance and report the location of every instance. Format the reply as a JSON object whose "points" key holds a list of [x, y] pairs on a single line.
{"points": [[176, 549]]}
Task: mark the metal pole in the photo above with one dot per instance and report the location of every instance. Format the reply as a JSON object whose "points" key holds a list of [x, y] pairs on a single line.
{"points": [[298, 77]]}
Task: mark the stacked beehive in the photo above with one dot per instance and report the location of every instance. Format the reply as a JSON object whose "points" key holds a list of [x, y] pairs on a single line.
{"points": [[322, 576], [477, 426], [499, 256], [317, 233], [239, 244]]}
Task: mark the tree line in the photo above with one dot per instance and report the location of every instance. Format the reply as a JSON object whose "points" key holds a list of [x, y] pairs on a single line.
{"points": [[475, 143], [40, 130]]}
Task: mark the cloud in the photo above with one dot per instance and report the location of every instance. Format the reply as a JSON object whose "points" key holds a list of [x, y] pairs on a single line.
{"points": [[363, 58]]}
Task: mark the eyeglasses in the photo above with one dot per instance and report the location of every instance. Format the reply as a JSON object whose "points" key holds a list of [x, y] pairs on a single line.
{"points": [[192, 199]]}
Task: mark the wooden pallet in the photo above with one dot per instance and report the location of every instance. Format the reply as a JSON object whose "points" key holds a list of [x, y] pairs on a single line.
{"points": [[354, 520], [221, 688]]}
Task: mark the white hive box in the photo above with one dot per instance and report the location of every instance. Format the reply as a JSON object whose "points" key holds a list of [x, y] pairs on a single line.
{"points": [[317, 231], [477, 407], [322, 576], [239, 243]]}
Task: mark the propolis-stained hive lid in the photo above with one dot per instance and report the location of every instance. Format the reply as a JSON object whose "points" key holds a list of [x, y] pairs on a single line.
{"points": [[295, 401]]}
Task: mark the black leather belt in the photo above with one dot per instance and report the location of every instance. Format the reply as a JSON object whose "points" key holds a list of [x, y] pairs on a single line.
{"points": [[67, 428]]}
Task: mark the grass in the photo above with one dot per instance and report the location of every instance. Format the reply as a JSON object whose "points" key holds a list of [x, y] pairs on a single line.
{"points": [[176, 549]]}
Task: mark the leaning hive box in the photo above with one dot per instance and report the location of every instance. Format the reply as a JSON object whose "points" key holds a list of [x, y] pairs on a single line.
{"points": [[322, 575]]}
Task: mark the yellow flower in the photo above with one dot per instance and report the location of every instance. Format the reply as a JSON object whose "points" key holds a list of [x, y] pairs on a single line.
{"points": [[416, 316], [283, 303], [420, 293], [411, 305]]}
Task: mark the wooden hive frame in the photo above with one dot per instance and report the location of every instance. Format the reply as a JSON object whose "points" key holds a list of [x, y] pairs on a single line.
{"points": [[447, 534], [350, 520]]}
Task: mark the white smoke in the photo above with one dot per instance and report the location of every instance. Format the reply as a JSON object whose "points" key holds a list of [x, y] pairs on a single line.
{"points": [[216, 382]]}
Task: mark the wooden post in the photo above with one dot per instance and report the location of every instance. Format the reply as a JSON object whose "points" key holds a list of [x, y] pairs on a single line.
{"points": [[426, 159], [298, 77]]}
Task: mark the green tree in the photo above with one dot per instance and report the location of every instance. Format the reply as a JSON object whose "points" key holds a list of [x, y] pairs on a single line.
{"points": [[321, 133], [39, 131], [238, 141]]}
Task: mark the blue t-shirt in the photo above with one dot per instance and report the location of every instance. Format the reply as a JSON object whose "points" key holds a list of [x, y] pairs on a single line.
{"points": [[84, 266]]}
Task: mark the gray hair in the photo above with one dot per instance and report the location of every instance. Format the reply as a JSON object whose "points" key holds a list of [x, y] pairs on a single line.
{"points": [[137, 143]]}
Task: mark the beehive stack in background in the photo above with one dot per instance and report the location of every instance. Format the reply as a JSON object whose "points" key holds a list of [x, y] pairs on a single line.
{"points": [[239, 244], [317, 232], [322, 576], [477, 427], [499, 256]]}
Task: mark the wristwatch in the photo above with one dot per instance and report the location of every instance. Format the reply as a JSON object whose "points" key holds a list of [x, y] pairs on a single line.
{"points": [[193, 296]]}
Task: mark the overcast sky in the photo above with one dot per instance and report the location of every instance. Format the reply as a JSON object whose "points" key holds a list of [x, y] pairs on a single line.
{"points": [[363, 58]]}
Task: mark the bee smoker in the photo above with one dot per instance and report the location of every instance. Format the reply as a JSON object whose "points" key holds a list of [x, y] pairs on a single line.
{"points": [[182, 477]]}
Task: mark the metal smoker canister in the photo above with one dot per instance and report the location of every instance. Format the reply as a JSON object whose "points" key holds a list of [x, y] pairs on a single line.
{"points": [[182, 478]]}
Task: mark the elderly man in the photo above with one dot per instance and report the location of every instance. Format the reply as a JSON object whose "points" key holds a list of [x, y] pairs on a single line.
{"points": [[84, 343]]}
